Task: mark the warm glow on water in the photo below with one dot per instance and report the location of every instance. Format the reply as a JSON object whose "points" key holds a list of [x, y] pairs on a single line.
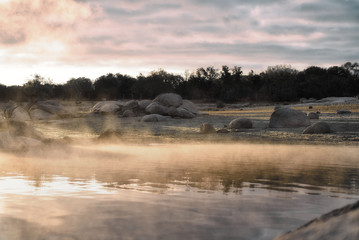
{"points": [[171, 191]]}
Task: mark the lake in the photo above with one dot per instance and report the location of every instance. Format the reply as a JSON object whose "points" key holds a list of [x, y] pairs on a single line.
{"points": [[172, 191]]}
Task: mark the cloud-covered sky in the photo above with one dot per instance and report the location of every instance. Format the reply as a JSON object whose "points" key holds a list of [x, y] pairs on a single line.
{"points": [[74, 38]]}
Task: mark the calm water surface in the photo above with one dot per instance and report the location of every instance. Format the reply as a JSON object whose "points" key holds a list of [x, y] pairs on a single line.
{"points": [[204, 191]]}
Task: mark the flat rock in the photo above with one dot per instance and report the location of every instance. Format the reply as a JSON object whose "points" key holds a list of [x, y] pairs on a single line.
{"points": [[153, 118], [107, 107]]}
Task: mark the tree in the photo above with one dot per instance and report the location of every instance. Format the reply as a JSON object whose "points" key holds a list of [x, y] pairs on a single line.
{"points": [[280, 81], [38, 88], [79, 88]]}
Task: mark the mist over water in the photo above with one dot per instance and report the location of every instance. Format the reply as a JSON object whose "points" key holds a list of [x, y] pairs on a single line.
{"points": [[171, 191]]}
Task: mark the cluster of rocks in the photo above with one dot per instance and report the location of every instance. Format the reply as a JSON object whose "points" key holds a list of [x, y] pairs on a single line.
{"points": [[282, 117], [41, 110], [163, 106]]}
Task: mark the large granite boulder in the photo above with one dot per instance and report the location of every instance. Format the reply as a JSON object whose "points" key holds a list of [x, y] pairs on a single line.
{"points": [[189, 106], [46, 110], [240, 123], [143, 104], [15, 112], [317, 128], [107, 107], [157, 108], [338, 224], [169, 99], [131, 105], [180, 113], [284, 117]]}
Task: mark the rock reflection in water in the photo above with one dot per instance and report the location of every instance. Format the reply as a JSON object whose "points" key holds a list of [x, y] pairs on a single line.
{"points": [[171, 191]]}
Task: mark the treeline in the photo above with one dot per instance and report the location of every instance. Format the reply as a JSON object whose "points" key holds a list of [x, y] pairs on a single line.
{"points": [[278, 83]]}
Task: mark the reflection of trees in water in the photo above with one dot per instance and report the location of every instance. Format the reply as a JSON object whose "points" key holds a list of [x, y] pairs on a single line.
{"points": [[226, 178], [224, 172]]}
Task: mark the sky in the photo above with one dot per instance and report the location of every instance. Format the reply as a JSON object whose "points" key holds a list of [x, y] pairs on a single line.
{"points": [[62, 39]]}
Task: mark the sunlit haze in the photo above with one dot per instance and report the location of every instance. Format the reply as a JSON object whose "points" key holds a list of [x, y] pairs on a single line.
{"points": [[76, 38]]}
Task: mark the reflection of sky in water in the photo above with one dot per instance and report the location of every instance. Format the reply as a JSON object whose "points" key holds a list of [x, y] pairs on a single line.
{"points": [[56, 185]]}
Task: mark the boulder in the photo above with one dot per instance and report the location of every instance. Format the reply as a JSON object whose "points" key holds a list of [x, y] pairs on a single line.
{"points": [[132, 104], [287, 117], [143, 104], [169, 99], [184, 113], [189, 106], [15, 112], [313, 115], [107, 107], [53, 107], [157, 108], [129, 113], [154, 118], [317, 128], [20, 114], [240, 123], [207, 128], [340, 223]]}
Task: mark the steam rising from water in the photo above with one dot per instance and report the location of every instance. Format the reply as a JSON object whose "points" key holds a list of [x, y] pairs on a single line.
{"points": [[89, 190]]}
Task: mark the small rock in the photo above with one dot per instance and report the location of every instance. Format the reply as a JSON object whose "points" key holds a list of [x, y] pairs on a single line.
{"points": [[207, 128], [317, 128], [313, 115], [222, 130], [109, 135], [220, 104], [240, 123], [154, 118]]}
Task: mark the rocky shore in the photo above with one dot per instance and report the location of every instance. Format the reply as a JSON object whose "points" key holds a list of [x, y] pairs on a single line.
{"points": [[169, 118]]}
